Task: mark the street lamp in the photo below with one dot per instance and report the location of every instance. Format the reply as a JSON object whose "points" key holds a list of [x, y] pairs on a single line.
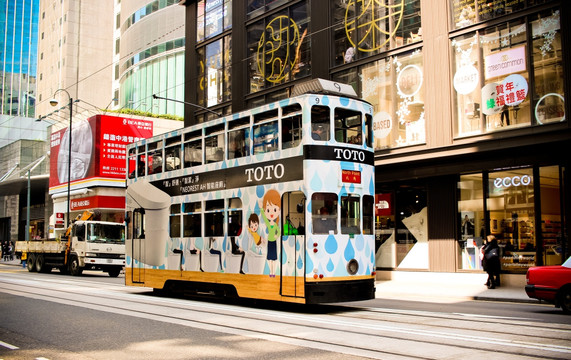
{"points": [[54, 102]]}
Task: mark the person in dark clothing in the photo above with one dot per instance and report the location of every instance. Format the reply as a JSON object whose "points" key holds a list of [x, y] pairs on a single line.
{"points": [[236, 250], [491, 261]]}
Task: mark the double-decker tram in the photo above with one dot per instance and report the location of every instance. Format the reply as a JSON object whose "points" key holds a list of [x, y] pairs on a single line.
{"points": [[271, 203]]}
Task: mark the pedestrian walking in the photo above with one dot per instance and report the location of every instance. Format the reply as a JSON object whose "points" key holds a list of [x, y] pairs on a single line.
{"points": [[491, 261]]}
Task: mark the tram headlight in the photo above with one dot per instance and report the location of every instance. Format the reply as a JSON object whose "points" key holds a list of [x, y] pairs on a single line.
{"points": [[352, 267]]}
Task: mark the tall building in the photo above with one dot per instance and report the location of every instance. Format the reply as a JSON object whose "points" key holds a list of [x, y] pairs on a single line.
{"points": [[471, 132], [75, 54], [152, 56], [18, 56]]}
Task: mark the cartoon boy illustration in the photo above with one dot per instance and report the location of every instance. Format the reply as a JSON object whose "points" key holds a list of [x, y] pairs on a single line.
{"points": [[270, 214], [253, 225]]}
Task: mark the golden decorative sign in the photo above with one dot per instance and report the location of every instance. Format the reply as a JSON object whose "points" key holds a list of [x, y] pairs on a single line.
{"points": [[370, 26], [277, 49]]}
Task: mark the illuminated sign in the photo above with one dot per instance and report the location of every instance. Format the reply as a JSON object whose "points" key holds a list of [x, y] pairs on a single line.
{"points": [[509, 181], [277, 48], [351, 176], [95, 202]]}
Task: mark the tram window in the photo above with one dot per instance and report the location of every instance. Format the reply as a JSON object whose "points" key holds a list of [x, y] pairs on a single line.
{"points": [[192, 153], [213, 224], [172, 154], [155, 152], [368, 218], [238, 143], [191, 225], [174, 221], [293, 109], [369, 130], [266, 137], [192, 207], [138, 224], [265, 116], [291, 131], [214, 148], [234, 217], [132, 167], [214, 218], [324, 213], [350, 214], [348, 126], [141, 165], [320, 128]]}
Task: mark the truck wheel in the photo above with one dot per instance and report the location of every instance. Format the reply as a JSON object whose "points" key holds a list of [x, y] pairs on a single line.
{"points": [[31, 263], [41, 266], [74, 268], [114, 272]]}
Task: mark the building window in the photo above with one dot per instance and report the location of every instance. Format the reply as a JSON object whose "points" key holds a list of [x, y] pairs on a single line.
{"points": [[365, 28], [394, 86], [401, 228], [496, 88], [213, 18], [214, 86], [468, 12], [278, 48], [472, 223]]}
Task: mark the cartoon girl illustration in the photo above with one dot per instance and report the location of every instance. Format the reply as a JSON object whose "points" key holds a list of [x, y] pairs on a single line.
{"points": [[270, 214], [253, 225]]}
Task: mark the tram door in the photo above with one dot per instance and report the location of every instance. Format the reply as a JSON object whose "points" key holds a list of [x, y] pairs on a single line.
{"points": [[293, 244], [138, 246]]}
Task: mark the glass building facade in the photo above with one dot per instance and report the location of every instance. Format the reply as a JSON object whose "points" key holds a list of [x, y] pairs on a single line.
{"points": [[152, 57], [470, 115], [18, 56]]}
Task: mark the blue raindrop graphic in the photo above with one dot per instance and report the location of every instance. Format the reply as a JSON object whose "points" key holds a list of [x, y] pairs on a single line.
{"points": [[260, 191], [299, 262], [297, 246], [331, 244], [309, 263], [349, 251], [359, 242], [330, 266], [372, 187], [325, 100], [344, 101], [316, 183], [284, 258]]}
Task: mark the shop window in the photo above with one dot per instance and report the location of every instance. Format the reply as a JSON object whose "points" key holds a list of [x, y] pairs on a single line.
{"points": [[394, 86], [548, 69], [278, 48], [492, 78], [174, 221], [213, 17], [471, 221], [554, 250], [468, 12], [361, 29], [511, 209], [324, 213], [385, 242], [214, 72]]}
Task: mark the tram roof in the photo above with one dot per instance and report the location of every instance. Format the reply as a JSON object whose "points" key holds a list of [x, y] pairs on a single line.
{"points": [[322, 86]]}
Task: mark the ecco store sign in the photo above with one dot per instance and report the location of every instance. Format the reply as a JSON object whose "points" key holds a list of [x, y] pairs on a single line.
{"points": [[509, 181]]}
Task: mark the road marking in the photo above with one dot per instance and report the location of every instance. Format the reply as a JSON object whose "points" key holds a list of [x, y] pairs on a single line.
{"points": [[8, 346]]}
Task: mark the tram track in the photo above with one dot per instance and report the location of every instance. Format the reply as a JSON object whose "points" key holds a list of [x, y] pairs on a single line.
{"points": [[366, 332]]}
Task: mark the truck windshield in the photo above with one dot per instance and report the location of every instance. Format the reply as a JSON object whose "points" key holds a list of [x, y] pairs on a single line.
{"points": [[106, 233]]}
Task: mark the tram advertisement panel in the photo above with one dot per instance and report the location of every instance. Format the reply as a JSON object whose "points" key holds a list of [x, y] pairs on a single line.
{"points": [[289, 169]]}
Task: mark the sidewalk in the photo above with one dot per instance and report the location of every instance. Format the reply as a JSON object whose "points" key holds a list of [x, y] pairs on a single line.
{"points": [[432, 287], [449, 287]]}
